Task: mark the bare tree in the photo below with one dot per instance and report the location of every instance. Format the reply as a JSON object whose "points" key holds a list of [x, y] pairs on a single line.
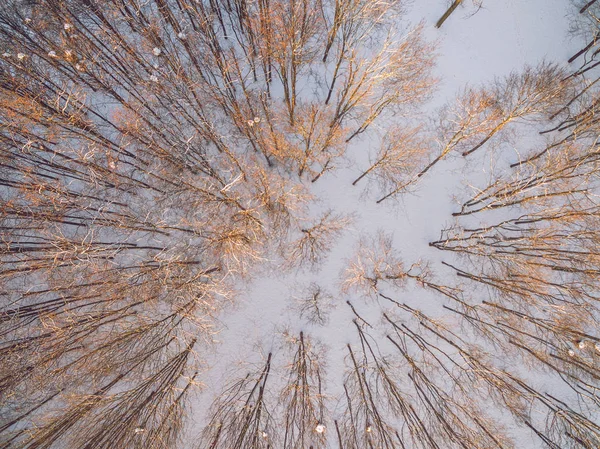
{"points": [[316, 239], [314, 303], [533, 92], [365, 423], [375, 261], [395, 165], [302, 398], [241, 417]]}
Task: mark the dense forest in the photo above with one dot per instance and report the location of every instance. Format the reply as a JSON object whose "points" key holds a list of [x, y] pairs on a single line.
{"points": [[159, 156]]}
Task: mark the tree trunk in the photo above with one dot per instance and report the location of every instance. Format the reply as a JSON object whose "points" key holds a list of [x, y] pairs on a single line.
{"points": [[582, 10], [447, 13]]}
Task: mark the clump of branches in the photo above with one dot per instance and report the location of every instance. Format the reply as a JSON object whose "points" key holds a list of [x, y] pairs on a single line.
{"points": [[395, 166], [314, 303], [374, 262], [316, 240]]}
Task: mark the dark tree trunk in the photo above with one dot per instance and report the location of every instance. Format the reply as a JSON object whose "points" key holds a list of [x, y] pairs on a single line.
{"points": [[447, 13]]}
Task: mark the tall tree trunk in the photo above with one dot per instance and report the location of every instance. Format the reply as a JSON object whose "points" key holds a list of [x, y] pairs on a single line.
{"points": [[586, 6], [447, 13]]}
